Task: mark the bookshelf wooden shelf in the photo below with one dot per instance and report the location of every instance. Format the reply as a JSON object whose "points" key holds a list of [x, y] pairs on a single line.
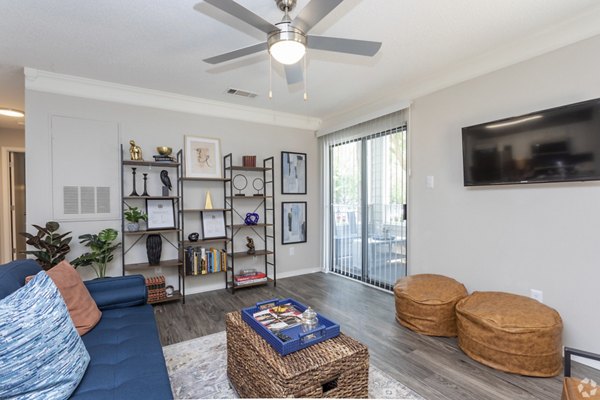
{"points": [[135, 239], [175, 297], [143, 266], [264, 204]]}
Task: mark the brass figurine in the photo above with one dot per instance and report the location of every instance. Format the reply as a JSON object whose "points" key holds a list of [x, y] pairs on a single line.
{"points": [[135, 151]]}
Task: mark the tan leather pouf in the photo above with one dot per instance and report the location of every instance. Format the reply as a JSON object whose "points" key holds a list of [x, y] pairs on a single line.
{"points": [[425, 303], [511, 333]]}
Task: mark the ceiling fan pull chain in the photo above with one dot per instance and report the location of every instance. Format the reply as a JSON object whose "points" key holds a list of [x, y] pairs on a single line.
{"points": [[305, 79], [270, 77]]}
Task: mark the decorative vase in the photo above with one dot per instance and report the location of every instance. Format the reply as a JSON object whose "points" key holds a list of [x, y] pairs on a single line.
{"points": [[154, 249], [132, 226]]}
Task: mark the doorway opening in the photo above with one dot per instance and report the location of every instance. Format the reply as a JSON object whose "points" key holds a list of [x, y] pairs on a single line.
{"points": [[14, 209]]}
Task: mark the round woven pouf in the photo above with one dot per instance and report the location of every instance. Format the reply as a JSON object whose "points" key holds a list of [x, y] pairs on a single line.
{"points": [[425, 303], [511, 333]]}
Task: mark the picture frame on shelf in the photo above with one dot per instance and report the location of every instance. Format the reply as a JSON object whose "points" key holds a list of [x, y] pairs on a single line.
{"points": [[161, 214], [213, 224], [202, 157], [293, 173], [293, 222]]}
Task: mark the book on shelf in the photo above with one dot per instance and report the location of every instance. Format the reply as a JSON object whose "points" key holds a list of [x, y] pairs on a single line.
{"points": [[251, 281], [243, 278], [202, 261], [279, 317]]}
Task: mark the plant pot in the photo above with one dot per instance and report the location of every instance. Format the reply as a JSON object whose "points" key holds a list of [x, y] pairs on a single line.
{"points": [[153, 249], [132, 226]]}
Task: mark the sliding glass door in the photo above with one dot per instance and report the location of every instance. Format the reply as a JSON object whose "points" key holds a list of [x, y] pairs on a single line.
{"points": [[368, 210]]}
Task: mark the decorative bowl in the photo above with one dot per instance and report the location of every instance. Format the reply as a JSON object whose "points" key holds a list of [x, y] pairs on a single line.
{"points": [[164, 150]]}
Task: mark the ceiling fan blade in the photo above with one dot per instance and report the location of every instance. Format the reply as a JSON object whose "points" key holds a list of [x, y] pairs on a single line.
{"points": [[293, 73], [242, 13], [314, 12], [351, 46], [236, 53]]}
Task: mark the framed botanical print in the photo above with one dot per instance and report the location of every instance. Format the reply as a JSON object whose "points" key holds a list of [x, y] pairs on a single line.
{"points": [[202, 157], [293, 173], [293, 222]]}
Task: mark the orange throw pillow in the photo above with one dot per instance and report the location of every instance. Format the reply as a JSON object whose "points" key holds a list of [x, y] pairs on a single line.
{"points": [[82, 308]]}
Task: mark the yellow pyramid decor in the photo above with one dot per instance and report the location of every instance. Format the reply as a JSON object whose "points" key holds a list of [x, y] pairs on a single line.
{"points": [[208, 203]]}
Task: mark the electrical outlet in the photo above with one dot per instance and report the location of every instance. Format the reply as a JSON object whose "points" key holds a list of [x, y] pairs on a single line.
{"points": [[430, 181], [292, 251], [537, 295]]}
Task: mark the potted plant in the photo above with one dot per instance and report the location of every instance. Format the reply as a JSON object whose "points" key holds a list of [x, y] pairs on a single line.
{"points": [[133, 216], [102, 248], [52, 247]]}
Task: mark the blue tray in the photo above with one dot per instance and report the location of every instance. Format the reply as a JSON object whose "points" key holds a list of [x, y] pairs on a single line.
{"points": [[326, 328]]}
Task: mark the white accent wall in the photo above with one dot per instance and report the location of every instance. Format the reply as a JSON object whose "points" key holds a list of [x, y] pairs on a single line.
{"points": [[517, 237], [151, 127]]}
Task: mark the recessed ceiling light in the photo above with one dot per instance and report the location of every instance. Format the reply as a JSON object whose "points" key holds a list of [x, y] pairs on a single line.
{"points": [[9, 112]]}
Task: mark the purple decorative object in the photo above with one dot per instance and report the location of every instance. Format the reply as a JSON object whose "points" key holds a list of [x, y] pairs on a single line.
{"points": [[251, 219]]}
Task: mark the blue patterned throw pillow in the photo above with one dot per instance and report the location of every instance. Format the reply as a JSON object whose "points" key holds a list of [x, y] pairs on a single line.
{"points": [[41, 353]]}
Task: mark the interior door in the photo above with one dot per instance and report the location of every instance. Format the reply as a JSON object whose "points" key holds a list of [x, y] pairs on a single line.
{"points": [[17, 206]]}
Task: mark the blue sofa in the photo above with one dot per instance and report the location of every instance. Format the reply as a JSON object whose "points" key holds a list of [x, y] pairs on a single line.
{"points": [[127, 361]]}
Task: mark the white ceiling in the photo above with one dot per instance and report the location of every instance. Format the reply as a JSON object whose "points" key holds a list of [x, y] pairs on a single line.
{"points": [[160, 44]]}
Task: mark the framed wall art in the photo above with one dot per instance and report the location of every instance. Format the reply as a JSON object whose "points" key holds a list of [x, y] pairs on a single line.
{"points": [[161, 214], [293, 173], [202, 157], [293, 222], [213, 224]]}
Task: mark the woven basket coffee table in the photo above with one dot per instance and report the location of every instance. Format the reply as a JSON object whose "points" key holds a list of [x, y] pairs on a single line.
{"points": [[337, 367]]}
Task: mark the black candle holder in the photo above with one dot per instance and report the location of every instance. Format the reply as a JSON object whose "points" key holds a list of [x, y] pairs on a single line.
{"points": [[145, 191], [133, 192]]}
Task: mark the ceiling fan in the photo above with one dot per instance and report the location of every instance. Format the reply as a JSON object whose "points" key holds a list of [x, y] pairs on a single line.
{"points": [[287, 40]]}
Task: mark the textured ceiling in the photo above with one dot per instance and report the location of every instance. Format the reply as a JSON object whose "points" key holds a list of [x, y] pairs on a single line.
{"points": [[160, 44]]}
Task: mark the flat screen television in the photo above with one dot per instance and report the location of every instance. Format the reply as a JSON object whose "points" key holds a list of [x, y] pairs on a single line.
{"points": [[556, 145]]}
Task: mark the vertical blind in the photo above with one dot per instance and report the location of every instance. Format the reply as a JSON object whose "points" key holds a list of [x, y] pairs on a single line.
{"points": [[363, 176]]}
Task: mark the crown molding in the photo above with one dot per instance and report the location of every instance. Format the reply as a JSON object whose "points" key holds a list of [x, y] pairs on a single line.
{"points": [[69, 85], [568, 32]]}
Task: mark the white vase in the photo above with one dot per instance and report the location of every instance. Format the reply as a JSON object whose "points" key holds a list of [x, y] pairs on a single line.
{"points": [[132, 226]]}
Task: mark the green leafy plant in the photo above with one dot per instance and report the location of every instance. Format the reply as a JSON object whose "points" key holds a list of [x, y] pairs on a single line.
{"points": [[52, 247], [102, 248], [135, 215]]}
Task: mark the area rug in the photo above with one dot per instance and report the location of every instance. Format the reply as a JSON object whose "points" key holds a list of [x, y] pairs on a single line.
{"points": [[198, 370]]}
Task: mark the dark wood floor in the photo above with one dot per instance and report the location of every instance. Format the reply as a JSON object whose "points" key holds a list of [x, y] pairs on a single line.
{"points": [[433, 367]]}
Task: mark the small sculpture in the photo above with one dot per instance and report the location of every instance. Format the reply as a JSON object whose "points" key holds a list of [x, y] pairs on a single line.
{"points": [[166, 181], [208, 205], [250, 245], [135, 151], [194, 236], [251, 219]]}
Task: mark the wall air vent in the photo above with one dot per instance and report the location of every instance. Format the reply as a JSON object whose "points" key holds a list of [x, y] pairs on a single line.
{"points": [[242, 93]]}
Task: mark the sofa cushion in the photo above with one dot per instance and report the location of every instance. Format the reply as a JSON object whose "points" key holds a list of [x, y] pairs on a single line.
{"points": [[12, 275], [41, 354], [81, 306], [127, 360]]}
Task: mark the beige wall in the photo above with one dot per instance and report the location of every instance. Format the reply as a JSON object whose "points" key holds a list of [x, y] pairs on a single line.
{"points": [[518, 237], [151, 127], [14, 138]]}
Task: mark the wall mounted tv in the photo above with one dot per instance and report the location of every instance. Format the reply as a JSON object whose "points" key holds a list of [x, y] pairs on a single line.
{"points": [[556, 145]]}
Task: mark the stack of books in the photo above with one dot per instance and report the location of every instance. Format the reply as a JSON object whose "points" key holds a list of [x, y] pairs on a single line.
{"points": [[247, 277], [202, 261], [159, 158], [156, 288]]}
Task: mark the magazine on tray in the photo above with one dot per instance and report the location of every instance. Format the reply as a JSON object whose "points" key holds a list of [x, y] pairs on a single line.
{"points": [[279, 317]]}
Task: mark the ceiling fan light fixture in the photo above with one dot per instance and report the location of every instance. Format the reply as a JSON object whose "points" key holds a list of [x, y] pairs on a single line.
{"points": [[9, 112], [287, 45]]}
